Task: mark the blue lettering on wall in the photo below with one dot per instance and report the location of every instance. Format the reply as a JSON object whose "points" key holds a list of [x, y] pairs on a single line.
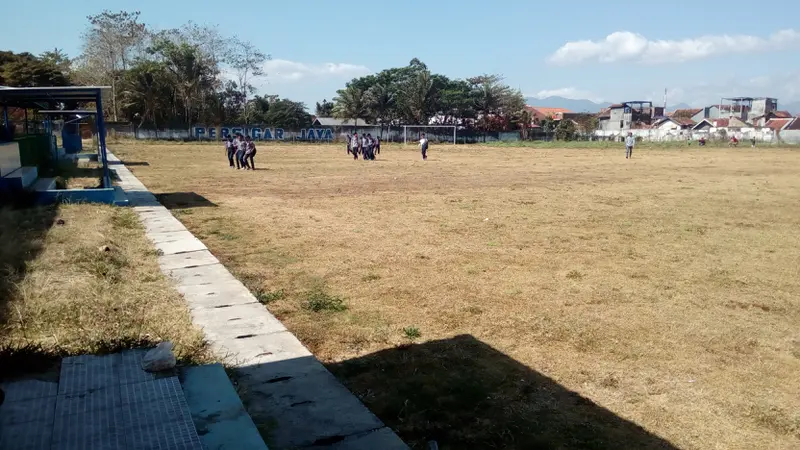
{"points": [[309, 134]]}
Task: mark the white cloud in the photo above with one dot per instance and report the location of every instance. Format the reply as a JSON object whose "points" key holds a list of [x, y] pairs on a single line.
{"points": [[627, 46], [568, 92], [285, 71]]}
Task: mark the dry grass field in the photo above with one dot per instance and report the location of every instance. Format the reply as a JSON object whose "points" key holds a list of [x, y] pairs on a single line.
{"points": [[512, 298]]}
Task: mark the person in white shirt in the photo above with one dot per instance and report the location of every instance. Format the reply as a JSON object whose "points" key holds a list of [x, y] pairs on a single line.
{"points": [[423, 146], [630, 141]]}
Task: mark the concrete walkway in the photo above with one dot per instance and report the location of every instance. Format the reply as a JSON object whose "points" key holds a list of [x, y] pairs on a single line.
{"points": [[286, 390]]}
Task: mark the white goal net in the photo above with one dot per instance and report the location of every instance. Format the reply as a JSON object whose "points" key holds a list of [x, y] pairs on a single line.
{"points": [[438, 134]]}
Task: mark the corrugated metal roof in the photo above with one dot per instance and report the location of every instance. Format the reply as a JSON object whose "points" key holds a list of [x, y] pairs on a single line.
{"points": [[793, 125], [777, 124]]}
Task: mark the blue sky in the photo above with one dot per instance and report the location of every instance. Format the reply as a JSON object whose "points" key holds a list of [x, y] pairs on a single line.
{"points": [[576, 49]]}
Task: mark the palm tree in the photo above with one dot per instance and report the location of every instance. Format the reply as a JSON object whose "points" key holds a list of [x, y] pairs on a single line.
{"points": [[350, 103], [381, 103], [417, 98], [140, 91]]}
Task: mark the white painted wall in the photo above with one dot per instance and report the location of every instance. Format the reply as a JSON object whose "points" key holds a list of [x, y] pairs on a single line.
{"points": [[658, 135]]}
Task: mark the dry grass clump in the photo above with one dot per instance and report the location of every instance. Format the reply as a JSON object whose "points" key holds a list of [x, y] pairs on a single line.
{"points": [[84, 279]]}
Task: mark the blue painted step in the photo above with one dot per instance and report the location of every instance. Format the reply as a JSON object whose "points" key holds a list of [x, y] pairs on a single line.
{"points": [[218, 413]]}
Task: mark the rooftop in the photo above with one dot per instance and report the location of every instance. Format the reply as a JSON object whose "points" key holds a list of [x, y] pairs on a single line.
{"points": [[777, 124]]}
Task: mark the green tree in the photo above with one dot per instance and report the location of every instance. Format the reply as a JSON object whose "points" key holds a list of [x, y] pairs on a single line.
{"points": [[548, 125], [381, 102], [324, 109], [25, 69], [58, 59], [417, 99], [288, 114], [350, 103], [145, 92], [565, 131]]}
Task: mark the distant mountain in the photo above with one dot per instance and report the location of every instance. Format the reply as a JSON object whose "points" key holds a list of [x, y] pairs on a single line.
{"points": [[574, 105], [582, 105], [679, 106]]}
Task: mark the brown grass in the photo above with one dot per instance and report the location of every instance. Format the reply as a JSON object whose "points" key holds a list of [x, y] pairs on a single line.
{"points": [[665, 289], [84, 279]]}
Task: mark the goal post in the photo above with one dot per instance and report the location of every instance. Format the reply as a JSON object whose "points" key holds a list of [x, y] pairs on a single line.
{"points": [[434, 133]]}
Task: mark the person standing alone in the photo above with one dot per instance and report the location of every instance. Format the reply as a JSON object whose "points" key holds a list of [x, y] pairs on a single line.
{"points": [[423, 146], [630, 141]]}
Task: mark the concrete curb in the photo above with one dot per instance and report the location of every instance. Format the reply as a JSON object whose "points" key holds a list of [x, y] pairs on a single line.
{"points": [[282, 382]]}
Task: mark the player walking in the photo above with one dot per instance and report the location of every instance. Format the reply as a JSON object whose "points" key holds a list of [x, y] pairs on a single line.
{"points": [[630, 141], [423, 146]]}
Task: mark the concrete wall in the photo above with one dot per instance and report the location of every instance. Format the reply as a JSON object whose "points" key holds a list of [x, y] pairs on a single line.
{"points": [[656, 135], [790, 136]]}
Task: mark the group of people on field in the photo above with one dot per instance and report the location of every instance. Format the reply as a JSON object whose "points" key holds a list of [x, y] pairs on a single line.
{"points": [[365, 145], [368, 147], [242, 151]]}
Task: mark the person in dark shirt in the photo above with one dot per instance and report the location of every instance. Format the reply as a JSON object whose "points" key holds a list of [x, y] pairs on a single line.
{"points": [[249, 153], [355, 142], [230, 150]]}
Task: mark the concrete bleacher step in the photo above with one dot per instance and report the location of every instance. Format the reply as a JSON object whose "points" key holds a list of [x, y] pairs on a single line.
{"points": [[120, 197], [217, 412], [44, 184], [21, 178]]}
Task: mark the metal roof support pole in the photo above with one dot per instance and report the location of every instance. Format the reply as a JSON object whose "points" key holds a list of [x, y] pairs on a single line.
{"points": [[101, 138], [5, 116]]}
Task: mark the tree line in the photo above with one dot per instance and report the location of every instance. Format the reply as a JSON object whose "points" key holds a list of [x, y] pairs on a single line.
{"points": [[194, 74], [413, 95], [161, 78]]}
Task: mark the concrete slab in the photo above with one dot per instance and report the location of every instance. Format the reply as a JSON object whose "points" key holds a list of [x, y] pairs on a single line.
{"points": [[237, 320], [28, 389], [183, 245], [27, 436], [202, 274], [217, 412], [161, 224], [216, 295], [297, 403], [187, 260], [258, 349], [279, 370], [170, 236], [383, 438]]}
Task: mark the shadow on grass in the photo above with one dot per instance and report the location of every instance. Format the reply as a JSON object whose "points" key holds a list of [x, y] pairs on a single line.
{"points": [[465, 394], [23, 229], [459, 392], [183, 200]]}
